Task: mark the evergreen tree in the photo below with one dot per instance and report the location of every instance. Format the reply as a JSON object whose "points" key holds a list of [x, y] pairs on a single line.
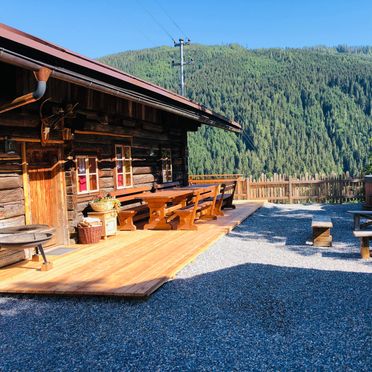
{"points": [[302, 110]]}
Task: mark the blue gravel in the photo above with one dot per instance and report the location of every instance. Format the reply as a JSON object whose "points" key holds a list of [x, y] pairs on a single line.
{"points": [[259, 299]]}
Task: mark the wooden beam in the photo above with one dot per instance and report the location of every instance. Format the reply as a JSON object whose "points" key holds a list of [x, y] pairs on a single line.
{"points": [[26, 185], [62, 184], [33, 140], [104, 134]]}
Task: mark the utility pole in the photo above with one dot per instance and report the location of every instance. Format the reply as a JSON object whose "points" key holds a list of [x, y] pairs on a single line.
{"points": [[182, 63]]}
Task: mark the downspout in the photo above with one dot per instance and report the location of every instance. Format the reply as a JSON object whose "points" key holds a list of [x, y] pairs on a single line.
{"points": [[42, 76]]}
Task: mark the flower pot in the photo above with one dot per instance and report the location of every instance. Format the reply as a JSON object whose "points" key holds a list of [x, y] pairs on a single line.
{"points": [[102, 206]]}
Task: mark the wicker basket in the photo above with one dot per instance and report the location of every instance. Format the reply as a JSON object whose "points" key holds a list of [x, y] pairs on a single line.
{"points": [[102, 206], [90, 235]]}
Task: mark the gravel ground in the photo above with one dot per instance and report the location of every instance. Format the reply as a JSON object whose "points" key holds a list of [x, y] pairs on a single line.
{"points": [[259, 299]]}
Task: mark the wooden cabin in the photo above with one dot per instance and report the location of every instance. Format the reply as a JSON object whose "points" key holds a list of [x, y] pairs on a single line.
{"points": [[71, 128]]}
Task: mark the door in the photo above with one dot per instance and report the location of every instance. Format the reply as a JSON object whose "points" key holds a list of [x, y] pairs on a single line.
{"points": [[47, 189]]}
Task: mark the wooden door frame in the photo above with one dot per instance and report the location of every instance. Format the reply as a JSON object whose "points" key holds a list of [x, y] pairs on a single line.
{"points": [[61, 188]]}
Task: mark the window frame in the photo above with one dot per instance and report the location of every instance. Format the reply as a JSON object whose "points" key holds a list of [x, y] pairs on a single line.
{"points": [[123, 173], [87, 173]]}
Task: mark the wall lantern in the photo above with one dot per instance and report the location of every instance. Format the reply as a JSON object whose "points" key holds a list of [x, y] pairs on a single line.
{"points": [[10, 146]]}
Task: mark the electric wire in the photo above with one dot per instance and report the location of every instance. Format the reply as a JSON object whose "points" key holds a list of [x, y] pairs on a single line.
{"points": [[156, 21], [147, 37], [248, 140], [171, 19]]}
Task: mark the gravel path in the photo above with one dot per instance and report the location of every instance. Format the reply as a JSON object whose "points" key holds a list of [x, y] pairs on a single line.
{"points": [[259, 299]]}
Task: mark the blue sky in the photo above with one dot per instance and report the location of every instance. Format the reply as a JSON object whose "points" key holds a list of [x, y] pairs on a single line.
{"points": [[95, 28]]}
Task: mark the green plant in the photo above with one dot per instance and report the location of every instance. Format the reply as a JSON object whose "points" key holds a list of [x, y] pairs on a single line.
{"points": [[108, 198]]}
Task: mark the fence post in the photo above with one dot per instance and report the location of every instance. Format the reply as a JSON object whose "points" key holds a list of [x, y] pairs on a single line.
{"points": [[290, 190], [247, 182], [238, 191]]}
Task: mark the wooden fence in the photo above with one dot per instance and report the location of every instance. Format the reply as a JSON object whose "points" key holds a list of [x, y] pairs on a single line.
{"points": [[284, 189]]}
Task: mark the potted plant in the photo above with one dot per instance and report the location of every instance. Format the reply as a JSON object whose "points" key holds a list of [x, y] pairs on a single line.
{"points": [[105, 203]]}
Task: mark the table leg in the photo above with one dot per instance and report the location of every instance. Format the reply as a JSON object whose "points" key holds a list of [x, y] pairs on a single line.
{"points": [[46, 265], [157, 219], [356, 222], [364, 248]]}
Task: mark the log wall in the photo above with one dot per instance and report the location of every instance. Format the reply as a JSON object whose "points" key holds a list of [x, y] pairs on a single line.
{"points": [[12, 210], [98, 122], [146, 163]]}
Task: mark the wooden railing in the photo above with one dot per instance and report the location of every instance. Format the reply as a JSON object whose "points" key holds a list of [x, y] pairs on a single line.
{"points": [[284, 189], [215, 177]]}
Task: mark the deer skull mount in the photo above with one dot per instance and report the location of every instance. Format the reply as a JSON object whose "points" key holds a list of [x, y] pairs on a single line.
{"points": [[56, 120]]}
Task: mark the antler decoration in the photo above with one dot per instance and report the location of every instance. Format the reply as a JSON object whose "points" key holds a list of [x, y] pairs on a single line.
{"points": [[54, 121]]}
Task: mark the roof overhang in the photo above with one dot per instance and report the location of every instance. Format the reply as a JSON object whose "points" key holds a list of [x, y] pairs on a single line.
{"points": [[27, 51]]}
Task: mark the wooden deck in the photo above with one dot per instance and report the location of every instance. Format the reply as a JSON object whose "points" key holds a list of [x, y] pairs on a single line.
{"points": [[131, 264]]}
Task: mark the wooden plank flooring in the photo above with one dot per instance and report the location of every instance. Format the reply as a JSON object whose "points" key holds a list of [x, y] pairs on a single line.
{"points": [[131, 264]]}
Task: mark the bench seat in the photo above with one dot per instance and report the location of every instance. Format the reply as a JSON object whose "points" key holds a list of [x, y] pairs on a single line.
{"points": [[321, 226], [132, 208], [228, 195], [202, 204], [225, 197], [127, 217]]}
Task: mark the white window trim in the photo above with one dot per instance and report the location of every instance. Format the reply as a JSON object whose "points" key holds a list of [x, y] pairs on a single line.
{"points": [[125, 186], [87, 174]]}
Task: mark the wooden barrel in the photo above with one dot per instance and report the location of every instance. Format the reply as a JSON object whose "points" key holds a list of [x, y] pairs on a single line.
{"points": [[368, 191]]}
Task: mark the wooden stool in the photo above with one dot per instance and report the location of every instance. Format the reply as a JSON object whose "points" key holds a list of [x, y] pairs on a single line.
{"points": [[364, 237], [321, 226]]}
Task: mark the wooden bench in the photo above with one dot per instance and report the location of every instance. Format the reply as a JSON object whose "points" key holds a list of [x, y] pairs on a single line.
{"points": [[225, 198], [132, 207], [364, 236], [202, 206], [228, 195], [321, 226]]}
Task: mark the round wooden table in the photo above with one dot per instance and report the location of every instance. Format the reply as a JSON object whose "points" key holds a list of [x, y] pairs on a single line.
{"points": [[28, 236], [36, 228]]}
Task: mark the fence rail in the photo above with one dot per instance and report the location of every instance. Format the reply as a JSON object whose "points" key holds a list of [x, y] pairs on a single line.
{"points": [[284, 189], [208, 177]]}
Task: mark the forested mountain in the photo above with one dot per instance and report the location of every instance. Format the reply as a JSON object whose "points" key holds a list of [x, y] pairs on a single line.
{"points": [[302, 110]]}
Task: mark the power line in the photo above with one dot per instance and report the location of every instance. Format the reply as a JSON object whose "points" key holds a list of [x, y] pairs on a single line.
{"points": [[248, 140], [171, 19], [156, 21], [147, 37]]}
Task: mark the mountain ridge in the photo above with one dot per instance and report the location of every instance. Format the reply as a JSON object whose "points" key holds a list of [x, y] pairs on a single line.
{"points": [[303, 110]]}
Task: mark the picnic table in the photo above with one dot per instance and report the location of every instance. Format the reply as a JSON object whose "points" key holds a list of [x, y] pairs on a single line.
{"points": [[162, 204], [358, 215], [359, 232]]}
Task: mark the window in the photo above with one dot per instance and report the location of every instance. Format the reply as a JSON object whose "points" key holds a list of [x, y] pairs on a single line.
{"points": [[87, 174], [166, 165], [123, 160]]}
